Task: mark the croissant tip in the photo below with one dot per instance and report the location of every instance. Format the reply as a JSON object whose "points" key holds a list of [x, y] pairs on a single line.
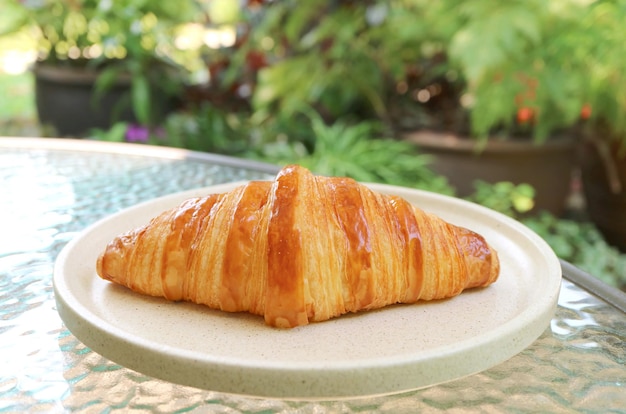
{"points": [[100, 269], [99, 265]]}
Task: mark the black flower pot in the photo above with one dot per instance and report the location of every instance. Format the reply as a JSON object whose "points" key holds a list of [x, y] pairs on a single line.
{"points": [[603, 173], [66, 100], [547, 167]]}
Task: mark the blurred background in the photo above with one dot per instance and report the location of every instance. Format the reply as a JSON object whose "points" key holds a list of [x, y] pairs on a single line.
{"points": [[518, 105]]}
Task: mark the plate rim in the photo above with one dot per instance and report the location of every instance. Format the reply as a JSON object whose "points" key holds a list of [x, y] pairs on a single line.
{"points": [[72, 312]]}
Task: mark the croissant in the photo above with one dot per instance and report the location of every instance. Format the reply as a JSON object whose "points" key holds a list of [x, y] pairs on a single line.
{"points": [[300, 249]]}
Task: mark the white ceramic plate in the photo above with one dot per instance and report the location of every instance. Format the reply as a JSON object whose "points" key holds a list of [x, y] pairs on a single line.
{"points": [[394, 349]]}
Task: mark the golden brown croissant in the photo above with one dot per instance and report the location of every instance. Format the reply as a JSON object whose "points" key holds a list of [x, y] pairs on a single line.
{"points": [[301, 248]]}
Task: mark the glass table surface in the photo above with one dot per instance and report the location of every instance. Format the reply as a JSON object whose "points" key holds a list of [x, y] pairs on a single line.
{"points": [[53, 189]]}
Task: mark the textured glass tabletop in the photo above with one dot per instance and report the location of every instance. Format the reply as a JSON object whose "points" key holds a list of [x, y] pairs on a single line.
{"points": [[52, 190]]}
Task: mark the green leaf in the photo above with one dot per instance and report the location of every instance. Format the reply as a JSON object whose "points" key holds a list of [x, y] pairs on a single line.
{"points": [[299, 18], [140, 98], [106, 80], [13, 17], [117, 133]]}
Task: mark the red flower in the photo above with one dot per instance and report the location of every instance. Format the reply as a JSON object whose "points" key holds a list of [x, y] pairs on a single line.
{"points": [[525, 115], [585, 111]]}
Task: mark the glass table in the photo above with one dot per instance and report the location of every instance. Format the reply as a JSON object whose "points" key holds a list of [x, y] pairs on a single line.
{"points": [[52, 189]]}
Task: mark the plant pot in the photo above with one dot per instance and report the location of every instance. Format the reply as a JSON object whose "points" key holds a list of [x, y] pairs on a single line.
{"points": [[547, 167], [603, 176], [65, 100]]}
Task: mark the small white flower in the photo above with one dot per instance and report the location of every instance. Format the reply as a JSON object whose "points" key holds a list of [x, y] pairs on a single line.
{"points": [[105, 5], [376, 14]]}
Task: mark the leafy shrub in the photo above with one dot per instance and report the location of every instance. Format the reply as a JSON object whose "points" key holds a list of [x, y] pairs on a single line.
{"points": [[581, 244], [504, 196], [208, 129], [357, 151]]}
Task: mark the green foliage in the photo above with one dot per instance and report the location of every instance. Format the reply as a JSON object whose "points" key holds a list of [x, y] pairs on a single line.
{"points": [[208, 129], [518, 56], [321, 57], [357, 151], [343, 58], [68, 30], [123, 37], [504, 197], [490, 34], [581, 244], [17, 109], [606, 69], [17, 94], [117, 133], [204, 128], [13, 18]]}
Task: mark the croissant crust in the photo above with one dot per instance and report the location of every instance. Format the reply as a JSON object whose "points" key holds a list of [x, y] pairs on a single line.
{"points": [[300, 249]]}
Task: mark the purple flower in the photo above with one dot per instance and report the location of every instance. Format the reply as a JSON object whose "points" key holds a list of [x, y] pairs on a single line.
{"points": [[137, 133]]}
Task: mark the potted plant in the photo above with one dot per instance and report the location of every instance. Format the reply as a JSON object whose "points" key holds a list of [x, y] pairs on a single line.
{"points": [[602, 152], [111, 60], [511, 96]]}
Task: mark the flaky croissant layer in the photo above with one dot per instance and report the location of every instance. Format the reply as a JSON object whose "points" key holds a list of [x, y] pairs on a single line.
{"points": [[299, 249]]}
